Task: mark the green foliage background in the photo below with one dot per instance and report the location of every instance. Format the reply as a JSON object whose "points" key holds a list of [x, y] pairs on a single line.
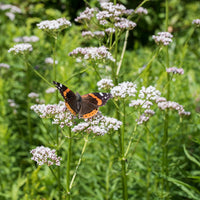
{"points": [[99, 174]]}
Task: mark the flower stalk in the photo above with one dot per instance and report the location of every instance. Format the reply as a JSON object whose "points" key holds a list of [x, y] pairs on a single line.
{"points": [[69, 153]]}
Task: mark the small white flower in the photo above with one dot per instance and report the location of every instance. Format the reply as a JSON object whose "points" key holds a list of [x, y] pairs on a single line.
{"points": [[26, 39], [105, 84], [141, 10], [124, 90], [124, 23], [13, 9], [4, 65], [49, 60], [171, 105], [54, 25], [139, 102], [149, 93], [175, 70], [57, 112], [99, 125], [87, 14], [87, 34], [50, 90], [21, 48], [94, 53], [196, 22], [109, 30], [163, 38], [33, 95], [142, 119], [44, 155], [99, 33]]}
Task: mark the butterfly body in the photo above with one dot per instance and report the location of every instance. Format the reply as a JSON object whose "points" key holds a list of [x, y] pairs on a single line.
{"points": [[86, 105]]}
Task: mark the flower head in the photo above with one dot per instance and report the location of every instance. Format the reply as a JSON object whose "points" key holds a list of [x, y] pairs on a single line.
{"points": [[50, 90], [94, 53], [99, 125], [44, 155], [4, 65], [175, 70], [149, 93], [196, 22], [51, 26], [86, 15], [123, 23], [33, 95], [57, 112], [105, 84], [124, 90], [26, 39], [21, 48], [49, 60], [163, 38], [141, 11]]}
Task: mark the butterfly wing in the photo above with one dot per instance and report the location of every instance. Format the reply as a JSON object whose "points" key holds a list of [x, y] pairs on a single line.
{"points": [[91, 102], [69, 96]]}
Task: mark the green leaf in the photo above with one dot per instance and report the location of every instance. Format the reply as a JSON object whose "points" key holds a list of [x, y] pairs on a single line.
{"points": [[193, 159], [188, 189]]}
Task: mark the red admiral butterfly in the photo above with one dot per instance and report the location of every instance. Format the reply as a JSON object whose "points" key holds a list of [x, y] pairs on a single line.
{"points": [[85, 106]]}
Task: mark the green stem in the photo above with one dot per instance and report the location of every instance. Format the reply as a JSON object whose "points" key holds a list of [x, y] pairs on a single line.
{"points": [[28, 101], [165, 184], [57, 131], [69, 153], [123, 51], [148, 164], [79, 162], [122, 155]]}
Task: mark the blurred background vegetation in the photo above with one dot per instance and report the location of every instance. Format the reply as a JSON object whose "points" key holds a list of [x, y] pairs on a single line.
{"points": [[98, 176]]}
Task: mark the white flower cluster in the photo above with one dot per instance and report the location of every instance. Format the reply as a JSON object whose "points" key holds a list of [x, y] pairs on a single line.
{"points": [[196, 22], [94, 53], [105, 84], [146, 96], [123, 90], [109, 13], [58, 112], [50, 90], [124, 23], [93, 34], [149, 93], [10, 10], [33, 95], [54, 25], [26, 39], [13, 9], [87, 14], [21, 48], [141, 11], [44, 155], [175, 70], [109, 30], [99, 125], [12, 103], [115, 12], [49, 60], [141, 103], [4, 65], [173, 105], [163, 38]]}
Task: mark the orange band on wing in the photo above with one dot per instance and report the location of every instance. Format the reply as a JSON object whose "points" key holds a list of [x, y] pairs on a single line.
{"points": [[70, 109], [65, 92], [88, 115], [99, 101]]}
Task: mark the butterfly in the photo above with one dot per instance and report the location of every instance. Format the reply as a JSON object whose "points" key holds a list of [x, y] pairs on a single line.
{"points": [[86, 105]]}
